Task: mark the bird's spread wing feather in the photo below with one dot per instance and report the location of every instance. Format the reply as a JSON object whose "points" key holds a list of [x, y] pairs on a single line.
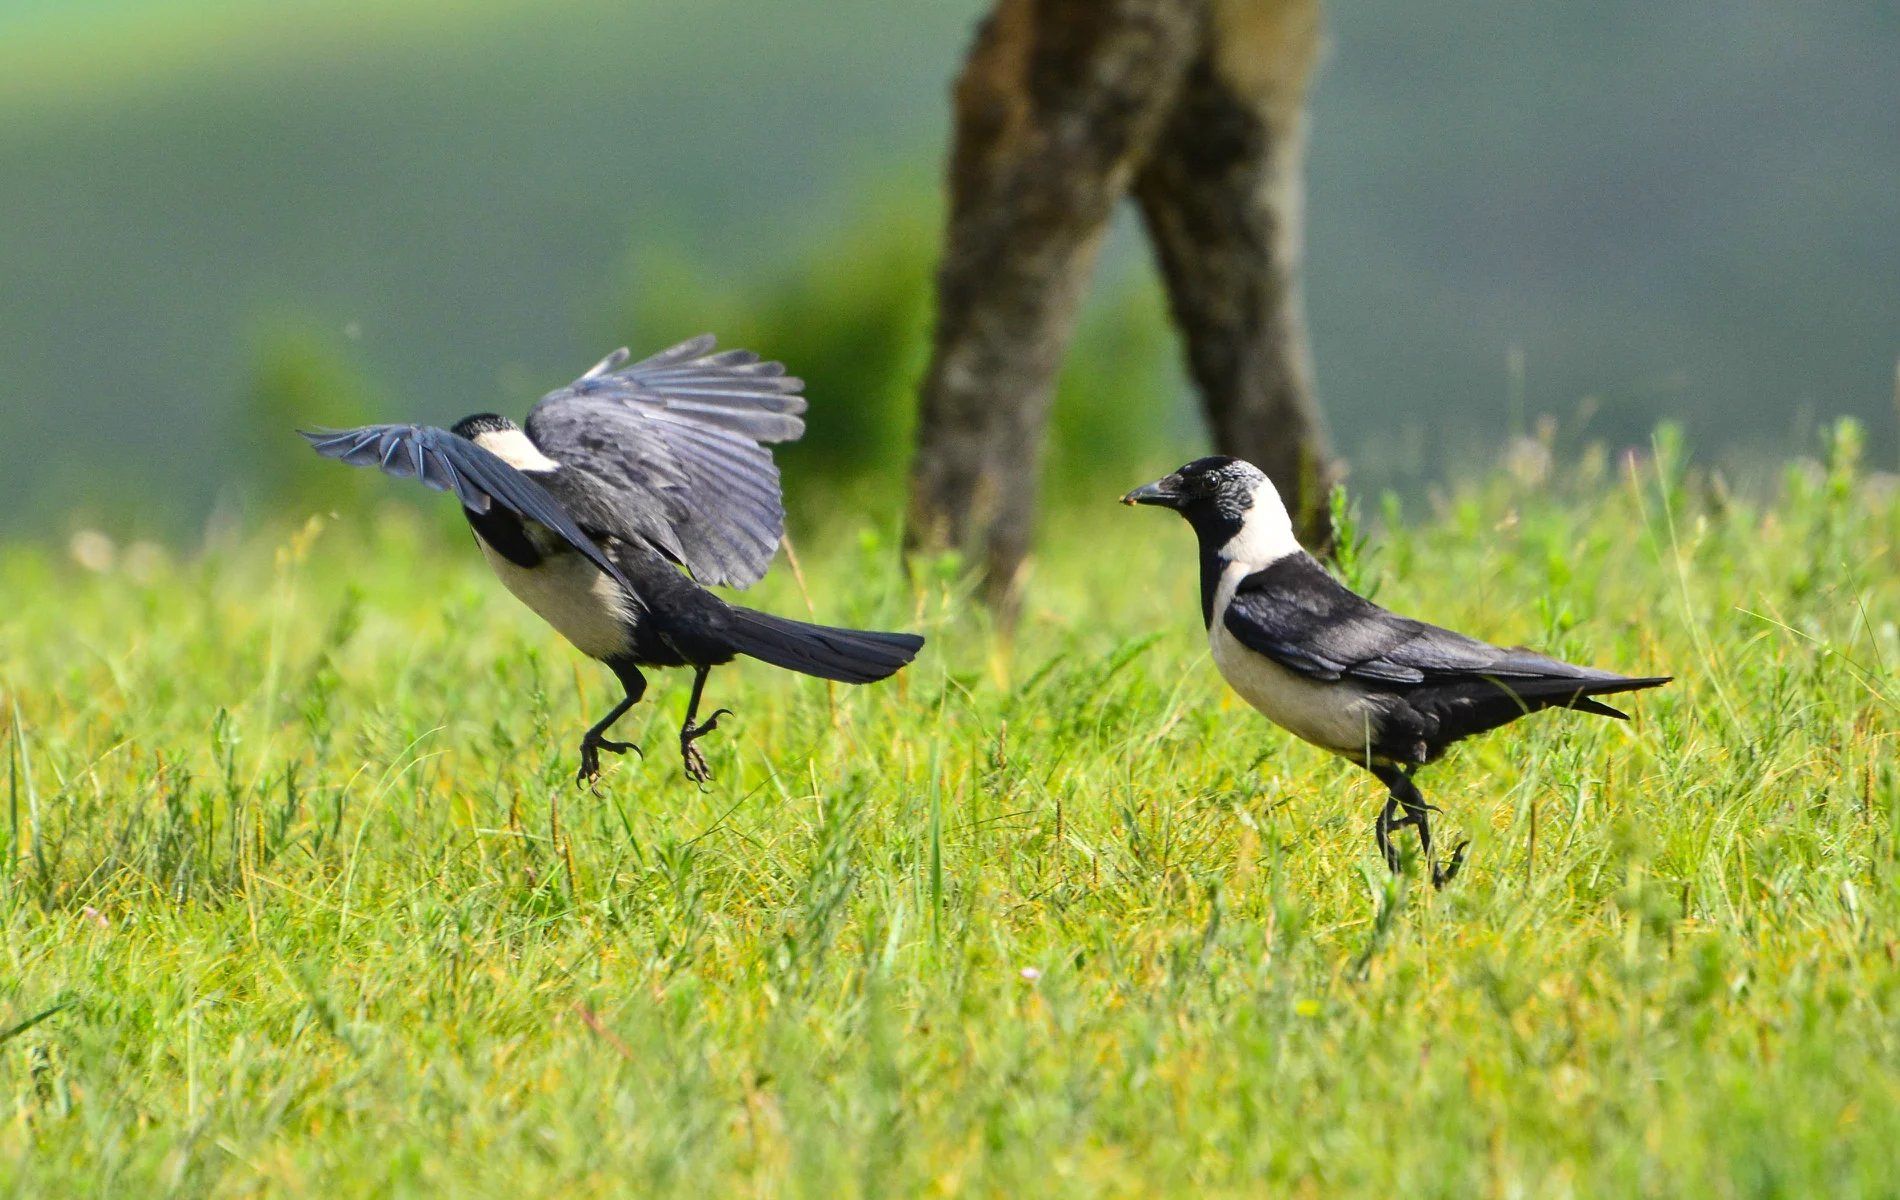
{"points": [[1302, 618], [449, 463], [671, 450]]}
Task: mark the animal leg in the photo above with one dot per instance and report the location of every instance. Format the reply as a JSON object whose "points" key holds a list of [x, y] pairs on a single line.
{"points": [[595, 739], [1405, 797], [695, 762], [1388, 823]]}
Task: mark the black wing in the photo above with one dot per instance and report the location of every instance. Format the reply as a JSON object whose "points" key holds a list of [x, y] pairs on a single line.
{"points": [[1302, 618], [671, 451], [449, 463]]}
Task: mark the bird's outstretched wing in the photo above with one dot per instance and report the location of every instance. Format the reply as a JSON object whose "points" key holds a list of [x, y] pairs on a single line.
{"points": [[671, 451], [1302, 618], [449, 463]]}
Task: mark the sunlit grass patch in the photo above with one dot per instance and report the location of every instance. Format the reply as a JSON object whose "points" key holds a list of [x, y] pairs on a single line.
{"points": [[296, 894]]}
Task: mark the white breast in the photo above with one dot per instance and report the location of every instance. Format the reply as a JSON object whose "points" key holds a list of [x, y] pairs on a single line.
{"points": [[1341, 716], [582, 603]]}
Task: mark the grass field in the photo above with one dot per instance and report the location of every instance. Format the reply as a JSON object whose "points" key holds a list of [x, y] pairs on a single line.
{"points": [[297, 895]]}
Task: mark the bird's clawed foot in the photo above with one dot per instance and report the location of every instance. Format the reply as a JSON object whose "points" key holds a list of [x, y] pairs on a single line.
{"points": [[1418, 815], [1390, 822], [591, 746], [695, 762], [1445, 874]]}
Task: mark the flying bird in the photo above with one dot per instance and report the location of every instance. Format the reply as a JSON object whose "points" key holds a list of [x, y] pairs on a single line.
{"points": [[1384, 691], [589, 512]]}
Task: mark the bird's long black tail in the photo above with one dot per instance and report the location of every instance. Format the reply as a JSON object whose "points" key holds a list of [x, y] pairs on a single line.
{"points": [[1580, 698], [847, 655], [1574, 693]]}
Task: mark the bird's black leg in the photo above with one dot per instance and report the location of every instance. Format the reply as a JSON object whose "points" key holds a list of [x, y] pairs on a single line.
{"points": [[696, 768], [595, 739], [1388, 823], [1405, 797]]}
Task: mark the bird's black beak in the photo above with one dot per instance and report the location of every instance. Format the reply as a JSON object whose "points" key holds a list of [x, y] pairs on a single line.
{"points": [[1163, 491]]}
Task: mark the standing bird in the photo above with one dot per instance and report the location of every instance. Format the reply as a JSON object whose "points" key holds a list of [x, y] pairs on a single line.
{"points": [[1335, 669], [617, 481]]}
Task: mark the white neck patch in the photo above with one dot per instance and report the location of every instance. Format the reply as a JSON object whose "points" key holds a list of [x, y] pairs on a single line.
{"points": [[1266, 531], [513, 447]]}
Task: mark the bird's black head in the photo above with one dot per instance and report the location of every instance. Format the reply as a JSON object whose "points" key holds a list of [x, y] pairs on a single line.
{"points": [[480, 423], [1212, 493], [1218, 496], [1236, 514]]}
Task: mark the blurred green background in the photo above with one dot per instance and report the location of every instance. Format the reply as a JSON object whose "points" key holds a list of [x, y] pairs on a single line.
{"points": [[226, 217]]}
